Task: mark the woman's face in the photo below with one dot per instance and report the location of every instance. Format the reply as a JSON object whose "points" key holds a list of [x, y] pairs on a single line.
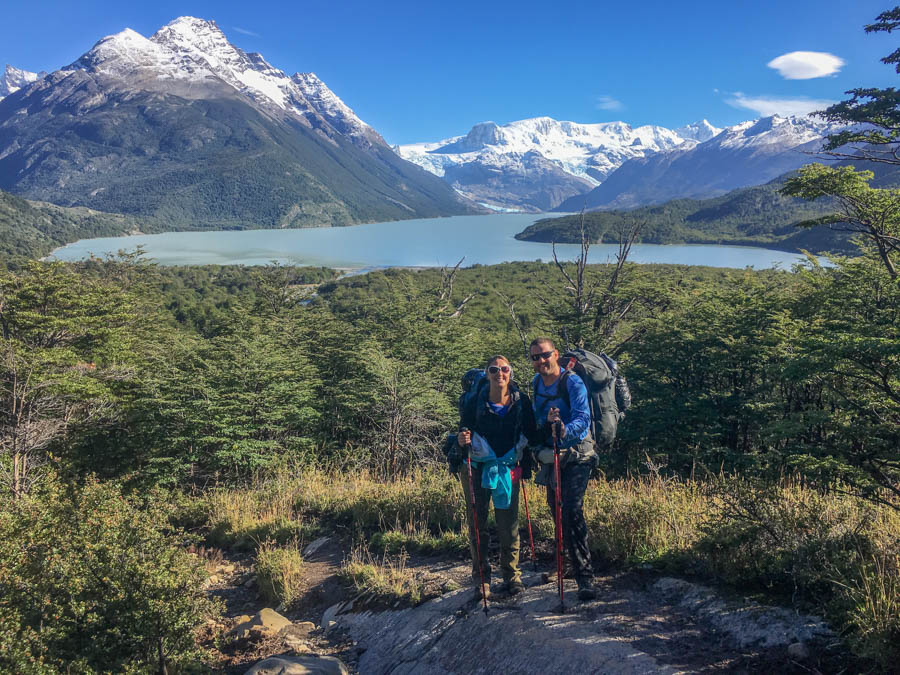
{"points": [[499, 371]]}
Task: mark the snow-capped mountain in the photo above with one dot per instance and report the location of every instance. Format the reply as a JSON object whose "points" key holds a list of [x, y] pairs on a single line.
{"points": [[750, 153], [577, 156], [188, 53], [185, 127], [14, 79]]}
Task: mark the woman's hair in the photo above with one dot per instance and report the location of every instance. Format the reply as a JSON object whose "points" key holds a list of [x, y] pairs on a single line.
{"points": [[496, 357]]}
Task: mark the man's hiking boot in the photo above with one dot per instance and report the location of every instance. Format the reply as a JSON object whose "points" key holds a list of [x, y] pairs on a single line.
{"points": [[586, 590], [514, 587]]}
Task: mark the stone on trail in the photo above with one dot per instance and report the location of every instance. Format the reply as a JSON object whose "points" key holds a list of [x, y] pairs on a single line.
{"points": [[266, 623], [305, 664]]}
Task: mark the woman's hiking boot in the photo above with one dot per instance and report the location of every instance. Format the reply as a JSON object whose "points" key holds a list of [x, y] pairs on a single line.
{"points": [[487, 593], [586, 590], [514, 587]]}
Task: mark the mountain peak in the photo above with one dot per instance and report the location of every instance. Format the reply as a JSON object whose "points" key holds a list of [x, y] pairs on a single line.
{"points": [[14, 79], [698, 131]]}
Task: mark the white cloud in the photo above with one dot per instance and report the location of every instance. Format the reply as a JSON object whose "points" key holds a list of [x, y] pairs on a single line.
{"points": [[244, 31], [608, 103], [806, 65], [772, 105]]}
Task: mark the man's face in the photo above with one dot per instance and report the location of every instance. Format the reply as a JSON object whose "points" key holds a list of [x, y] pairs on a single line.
{"points": [[544, 359]]}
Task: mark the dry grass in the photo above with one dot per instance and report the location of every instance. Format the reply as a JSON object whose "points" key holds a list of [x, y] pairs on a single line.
{"points": [[387, 580], [279, 572]]}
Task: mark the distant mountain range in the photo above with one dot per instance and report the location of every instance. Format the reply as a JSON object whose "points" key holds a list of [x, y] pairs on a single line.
{"points": [[186, 130], [535, 164], [531, 165]]}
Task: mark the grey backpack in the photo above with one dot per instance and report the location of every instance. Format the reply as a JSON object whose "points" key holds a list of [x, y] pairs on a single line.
{"points": [[608, 392]]}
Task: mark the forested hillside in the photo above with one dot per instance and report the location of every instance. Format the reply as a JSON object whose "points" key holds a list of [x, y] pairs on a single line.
{"points": [[756, 216], [33, 229]]}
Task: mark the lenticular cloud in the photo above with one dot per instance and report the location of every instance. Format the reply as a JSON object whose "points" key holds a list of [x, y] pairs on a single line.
{"points": [[806, 65]]}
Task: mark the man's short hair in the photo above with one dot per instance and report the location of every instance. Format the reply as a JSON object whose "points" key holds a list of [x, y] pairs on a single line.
{"points": [[541, 341]]}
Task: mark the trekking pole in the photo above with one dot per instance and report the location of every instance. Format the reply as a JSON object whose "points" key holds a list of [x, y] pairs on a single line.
{"points": [[559, 533], [528, 518], [477, 533]]}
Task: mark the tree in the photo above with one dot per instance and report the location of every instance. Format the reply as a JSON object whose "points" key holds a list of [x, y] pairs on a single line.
{"points": [[61, 346], [870, 212], [870, 106]]}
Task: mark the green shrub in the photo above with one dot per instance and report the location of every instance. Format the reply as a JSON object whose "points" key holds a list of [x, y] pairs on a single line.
{"points": [[93, 581]]}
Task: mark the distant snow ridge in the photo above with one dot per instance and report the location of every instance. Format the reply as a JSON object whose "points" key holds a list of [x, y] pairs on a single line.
{"points": [[14, 79], [588, 151], [195, 51]]}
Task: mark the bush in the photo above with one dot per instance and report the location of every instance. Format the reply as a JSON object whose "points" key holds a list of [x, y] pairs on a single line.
{"points": [[93, 581]]}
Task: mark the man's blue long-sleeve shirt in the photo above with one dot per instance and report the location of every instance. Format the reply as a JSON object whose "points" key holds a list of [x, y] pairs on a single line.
{"points": [[576, 416]]}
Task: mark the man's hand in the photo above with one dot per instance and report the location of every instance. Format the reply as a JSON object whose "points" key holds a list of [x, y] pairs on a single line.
{"points": [[464, 438], [556, 423]]}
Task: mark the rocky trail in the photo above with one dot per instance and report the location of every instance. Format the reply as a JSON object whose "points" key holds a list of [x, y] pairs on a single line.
{"points": [[641, 622]]}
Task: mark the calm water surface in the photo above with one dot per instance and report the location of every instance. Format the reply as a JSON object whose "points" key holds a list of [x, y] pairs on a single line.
{"points": [[485, 240]]}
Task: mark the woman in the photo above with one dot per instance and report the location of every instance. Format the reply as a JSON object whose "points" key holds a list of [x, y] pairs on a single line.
{"points": [[497, 424]]}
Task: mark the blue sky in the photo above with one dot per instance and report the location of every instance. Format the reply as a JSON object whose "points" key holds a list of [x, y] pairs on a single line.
{"points": [[419, 71]]}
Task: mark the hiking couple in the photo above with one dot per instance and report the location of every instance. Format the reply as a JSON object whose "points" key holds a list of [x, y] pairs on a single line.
{"points": [[504, 434]]}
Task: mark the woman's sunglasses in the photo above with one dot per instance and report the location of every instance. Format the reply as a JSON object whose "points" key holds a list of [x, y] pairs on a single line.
{"points": [[493, 370]]}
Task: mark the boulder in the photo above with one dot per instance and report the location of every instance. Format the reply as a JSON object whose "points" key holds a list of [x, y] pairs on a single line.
{"points": [[266, 623], [304, 664]]}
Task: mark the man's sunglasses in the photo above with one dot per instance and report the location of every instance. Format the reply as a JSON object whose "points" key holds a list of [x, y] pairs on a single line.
{"points": [[493, 370], [541, 355]]}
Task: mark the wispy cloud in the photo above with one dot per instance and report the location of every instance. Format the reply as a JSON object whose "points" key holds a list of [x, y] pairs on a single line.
{"points": [[774, 105], [806, 65], [608, 103], [244, 31]]}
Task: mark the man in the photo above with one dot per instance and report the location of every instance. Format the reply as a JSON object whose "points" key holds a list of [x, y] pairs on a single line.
{"points": [[568, 414]]}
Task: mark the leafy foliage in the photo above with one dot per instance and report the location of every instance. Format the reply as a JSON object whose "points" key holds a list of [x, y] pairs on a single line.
{"points": [[92, 581]]}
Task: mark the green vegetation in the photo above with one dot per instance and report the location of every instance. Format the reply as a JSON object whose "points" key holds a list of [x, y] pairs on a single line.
{"points": [[92, 580], [279, 571]]}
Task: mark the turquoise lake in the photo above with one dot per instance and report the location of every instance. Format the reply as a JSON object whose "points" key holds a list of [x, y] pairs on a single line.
{"points": [[485, 240]]}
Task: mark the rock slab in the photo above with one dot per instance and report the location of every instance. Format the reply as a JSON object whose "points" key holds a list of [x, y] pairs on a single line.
{"points": [[305, 664]]}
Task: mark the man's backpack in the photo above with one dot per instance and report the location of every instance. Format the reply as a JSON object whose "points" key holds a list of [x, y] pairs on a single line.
{"points": [[608, 392]]}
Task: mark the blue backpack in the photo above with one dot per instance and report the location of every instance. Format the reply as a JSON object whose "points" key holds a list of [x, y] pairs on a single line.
{"points": [[472, 382]]}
